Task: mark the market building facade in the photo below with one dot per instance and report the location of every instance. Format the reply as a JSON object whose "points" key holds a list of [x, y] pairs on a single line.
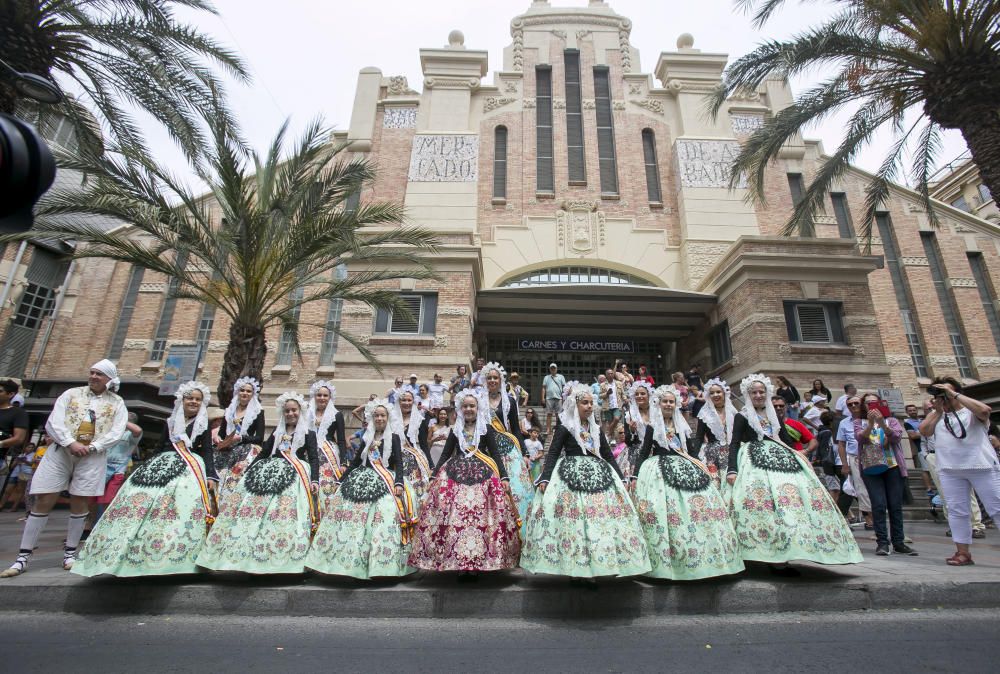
{"points": [[584, 215]]}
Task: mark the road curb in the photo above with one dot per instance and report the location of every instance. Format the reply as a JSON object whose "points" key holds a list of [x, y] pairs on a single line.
{"points": [[445, 598]]}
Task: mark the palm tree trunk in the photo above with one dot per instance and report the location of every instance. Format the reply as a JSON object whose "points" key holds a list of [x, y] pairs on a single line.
{"points": [[982, 135], [244, 358]]}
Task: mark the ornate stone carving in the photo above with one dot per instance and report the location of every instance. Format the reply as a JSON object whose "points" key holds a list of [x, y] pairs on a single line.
{"points": [[559, 103], [876, 241], [651, 104], [454, 311], [745, 125], [914, 261], [825, 219], [784, 349], [943, 360], [309, 347], [399, 118], [914, 207], [152, 287], [364, 339], [635, 88], [561, 34], [440, 341], [577, 222], [962, 282], [745, 95], [136, 345], [987, 361], [494, 102], [674, 87], [859, 349], [853, 321], [528, 103], [218, 346], [898, 359], [618, 105], [589, 104], [517, 46], [624, 28], [706, 163], [582, 33], [510, 86], [358, 310], [439, 158], [398, 86]]}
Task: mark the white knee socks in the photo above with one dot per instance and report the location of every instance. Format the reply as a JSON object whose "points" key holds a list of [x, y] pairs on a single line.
{"points": [[32, 530], [74, 530]]}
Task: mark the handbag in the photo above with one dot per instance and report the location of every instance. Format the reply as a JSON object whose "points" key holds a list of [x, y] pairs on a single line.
{"points": [[871, 455]]}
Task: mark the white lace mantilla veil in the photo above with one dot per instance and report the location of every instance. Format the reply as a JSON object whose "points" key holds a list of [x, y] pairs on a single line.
{"points": [[369, 435], [298, 434], [750, 413], [482, 419], [570, 417], [177, 423], [411, 434], [329, 414], [504, 396], [633, 407], [253, 407], [681, 428], [710, 415]]}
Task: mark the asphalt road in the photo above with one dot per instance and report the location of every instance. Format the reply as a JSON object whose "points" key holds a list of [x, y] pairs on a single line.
{"points": [[915, 641]]}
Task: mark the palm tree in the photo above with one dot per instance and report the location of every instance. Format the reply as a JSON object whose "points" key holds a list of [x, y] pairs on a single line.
{"points": [[258, 245], [912, 66], [115, 56]]}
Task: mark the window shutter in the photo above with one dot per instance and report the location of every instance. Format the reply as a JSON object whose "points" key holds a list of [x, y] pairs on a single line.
{"points": [[409, 324], [605, 132], [545, 180], [429, 312], [791, 322], [574, 118], [382, 321], [813, 324], [500, 163], [652, 168], [125, 316]]}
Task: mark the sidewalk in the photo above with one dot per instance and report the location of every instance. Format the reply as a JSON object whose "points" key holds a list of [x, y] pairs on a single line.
{"points": [[894, 582]]}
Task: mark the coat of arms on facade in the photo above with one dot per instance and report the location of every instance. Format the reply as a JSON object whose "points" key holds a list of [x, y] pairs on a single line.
{"points": [[580, 225]]}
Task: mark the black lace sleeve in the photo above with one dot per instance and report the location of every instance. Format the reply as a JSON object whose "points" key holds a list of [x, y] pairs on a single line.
{"points": [[203, 447], [422, 440], [514, 424], [607, 455], [397, 457], [311, 451], [555, 449], [446, 453], [741, 433], [255, 434], [337, 427], [647, 448]]}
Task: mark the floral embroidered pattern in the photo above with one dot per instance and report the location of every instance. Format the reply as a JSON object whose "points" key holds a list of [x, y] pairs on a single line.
{"points": [[585, 474], [467, 470], [772, 456], [363, 485], [269, 476], [466, 526], [159, 471], [682, 474], [224, 460]]}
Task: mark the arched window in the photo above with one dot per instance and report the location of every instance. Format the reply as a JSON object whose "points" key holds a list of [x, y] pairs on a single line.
{"points": [[500, 163], [556, 275], [652, 168]]}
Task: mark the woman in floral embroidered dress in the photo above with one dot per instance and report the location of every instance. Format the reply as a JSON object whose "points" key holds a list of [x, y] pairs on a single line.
{"points": [[244, 434], [510, 442], [780, 510], [323, 418], [468, 522], [639, 395], [685, 521], [409, 424], [581, 522], [156, 524], [266, 523], [369, 528], [715, 431]]}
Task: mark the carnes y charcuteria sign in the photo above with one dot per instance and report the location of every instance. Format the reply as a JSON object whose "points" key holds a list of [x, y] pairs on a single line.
{"points": [[579, 345]]}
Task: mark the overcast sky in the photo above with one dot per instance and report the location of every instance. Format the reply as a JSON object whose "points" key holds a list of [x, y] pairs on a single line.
{"points": [[305, 54]]}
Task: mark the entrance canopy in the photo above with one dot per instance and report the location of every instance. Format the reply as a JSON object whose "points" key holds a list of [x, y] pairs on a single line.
{"points": [[577, 310]]}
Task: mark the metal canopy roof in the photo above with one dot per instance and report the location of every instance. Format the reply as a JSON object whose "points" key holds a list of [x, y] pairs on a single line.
{"points": [[592, 310]]}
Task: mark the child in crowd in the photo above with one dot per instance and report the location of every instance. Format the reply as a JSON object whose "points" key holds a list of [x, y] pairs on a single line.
{"points": [[535, 453]]}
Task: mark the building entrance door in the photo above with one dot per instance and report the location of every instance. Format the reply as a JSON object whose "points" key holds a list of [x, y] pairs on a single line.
{"points": [[584, 367]]}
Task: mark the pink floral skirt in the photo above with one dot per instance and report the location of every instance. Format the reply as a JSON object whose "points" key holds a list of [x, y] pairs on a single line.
{"points": [[466, 527]]}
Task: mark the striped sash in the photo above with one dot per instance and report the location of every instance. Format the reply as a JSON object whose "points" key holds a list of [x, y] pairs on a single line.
{"points": [[304, 479], [404, 504], [206, 495], [331, 456]]}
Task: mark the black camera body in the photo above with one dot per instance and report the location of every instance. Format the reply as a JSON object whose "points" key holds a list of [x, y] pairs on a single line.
{"points": [[27, 170], [939, 392]]}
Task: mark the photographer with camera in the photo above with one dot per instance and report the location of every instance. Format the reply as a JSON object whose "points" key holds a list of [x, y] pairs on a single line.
{"points": [[965, 458], [13, 428]]}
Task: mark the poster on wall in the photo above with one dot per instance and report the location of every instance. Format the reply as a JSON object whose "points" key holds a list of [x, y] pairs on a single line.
{"points": [[180, 365]]}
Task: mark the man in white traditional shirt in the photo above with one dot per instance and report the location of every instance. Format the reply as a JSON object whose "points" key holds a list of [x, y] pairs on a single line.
{"points": [[85, 421]]}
